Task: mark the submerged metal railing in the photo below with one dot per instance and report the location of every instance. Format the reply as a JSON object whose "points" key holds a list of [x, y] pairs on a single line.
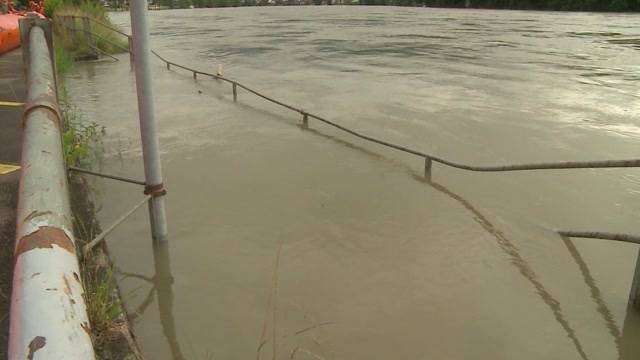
{"points": [[429, 158]]}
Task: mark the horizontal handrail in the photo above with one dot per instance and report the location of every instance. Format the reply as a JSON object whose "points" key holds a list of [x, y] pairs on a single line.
{"points": [[109, 41], [634, 239], [95, 48], [107, 176], [103, 24]]}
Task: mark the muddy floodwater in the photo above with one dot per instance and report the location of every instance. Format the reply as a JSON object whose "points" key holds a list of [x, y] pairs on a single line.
{"points": [[288, 243]]}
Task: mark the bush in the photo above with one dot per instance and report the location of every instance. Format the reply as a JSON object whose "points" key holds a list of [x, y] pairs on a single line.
{"points": [[94, 10], [50, 7]]}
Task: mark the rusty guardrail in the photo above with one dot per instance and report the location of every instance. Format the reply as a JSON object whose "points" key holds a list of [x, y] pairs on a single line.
{"points": [[48, 318]]}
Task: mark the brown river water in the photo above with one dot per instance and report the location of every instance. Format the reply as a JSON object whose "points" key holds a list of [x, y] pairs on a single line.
{"points": [[288, 243]]}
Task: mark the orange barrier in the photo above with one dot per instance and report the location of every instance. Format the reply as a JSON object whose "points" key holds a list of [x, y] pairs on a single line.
{"points": [[9, 32]]}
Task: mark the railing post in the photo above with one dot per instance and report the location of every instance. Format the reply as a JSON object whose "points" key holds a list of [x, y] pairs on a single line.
{"points": [[48, 317], [72, 25], [634, 295], [88, 38], [305, 120], [150, 143], [65, 23], [235, 93], [130, 44], [195, 75], [427, 168]]}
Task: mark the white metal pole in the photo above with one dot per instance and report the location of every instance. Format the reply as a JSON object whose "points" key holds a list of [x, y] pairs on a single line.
{"points": [[48, 314], [150, 145]]}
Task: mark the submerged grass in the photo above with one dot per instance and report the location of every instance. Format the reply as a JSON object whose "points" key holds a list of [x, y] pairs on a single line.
{"points": [[69, 29], [63, 60], [97, 277], [97, 274], [81, 139], [110, 331]]}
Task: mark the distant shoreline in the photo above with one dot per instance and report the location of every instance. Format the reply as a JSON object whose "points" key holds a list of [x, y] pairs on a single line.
{"points": [[198, 4]]}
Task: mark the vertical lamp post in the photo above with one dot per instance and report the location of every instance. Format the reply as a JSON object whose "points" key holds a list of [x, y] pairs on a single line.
{"points": [[150, 145]]}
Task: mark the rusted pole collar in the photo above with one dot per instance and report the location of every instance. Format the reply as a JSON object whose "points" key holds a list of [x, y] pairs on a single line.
{"points": [[155, 190], [44, 102]]}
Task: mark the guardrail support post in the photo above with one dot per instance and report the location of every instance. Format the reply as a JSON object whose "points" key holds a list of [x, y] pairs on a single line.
{"points": [[48, 317], [427, 168], [634, 296], [88, 38], [72, 25], [195, 75], [305, 120], [235, 93], [150, 143], [130, 44]]}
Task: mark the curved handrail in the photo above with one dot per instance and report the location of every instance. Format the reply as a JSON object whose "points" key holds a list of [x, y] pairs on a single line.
{"points": [[105, 25]]}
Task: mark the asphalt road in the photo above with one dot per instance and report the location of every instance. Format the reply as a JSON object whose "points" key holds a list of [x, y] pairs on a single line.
{"points": [[12, 89]]}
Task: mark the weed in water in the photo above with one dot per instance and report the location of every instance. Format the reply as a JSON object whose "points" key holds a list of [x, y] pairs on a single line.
{"points": [[63, 60], [81, 139]]}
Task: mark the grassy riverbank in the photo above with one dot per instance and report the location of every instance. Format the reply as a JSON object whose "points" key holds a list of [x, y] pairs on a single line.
{"points": [[78, 40]]}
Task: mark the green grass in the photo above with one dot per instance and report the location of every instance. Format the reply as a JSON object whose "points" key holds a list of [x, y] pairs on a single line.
{"points": [[81, 139], [109, 326], [101, 293], [50, 7], [75, 42], [99, 285], [63, 60]]}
